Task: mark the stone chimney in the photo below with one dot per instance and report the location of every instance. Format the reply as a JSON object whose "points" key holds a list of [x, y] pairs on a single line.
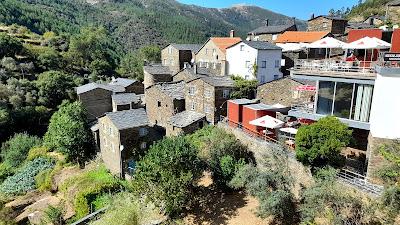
{"points": [[232, 33], [267, 22]]}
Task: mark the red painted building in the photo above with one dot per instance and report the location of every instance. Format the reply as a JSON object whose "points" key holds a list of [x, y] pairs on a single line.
{"points": [[255, 111], [235, 110], [355, 35], [395, 41]]}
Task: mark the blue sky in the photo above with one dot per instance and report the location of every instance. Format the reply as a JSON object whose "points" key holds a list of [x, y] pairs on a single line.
{"points": [[299, 8]]}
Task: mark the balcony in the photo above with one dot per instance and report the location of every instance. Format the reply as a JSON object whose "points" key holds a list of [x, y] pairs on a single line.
{"points": [[335, 68]]}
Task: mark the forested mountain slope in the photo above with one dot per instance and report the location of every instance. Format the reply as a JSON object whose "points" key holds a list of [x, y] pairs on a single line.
{"points": [[135, 23]]}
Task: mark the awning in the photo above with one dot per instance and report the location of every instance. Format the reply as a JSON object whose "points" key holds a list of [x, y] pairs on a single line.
{"points": [[327, 42], [289, 130], [368, 43], [292, 47], [267, 122], [306, 88]]}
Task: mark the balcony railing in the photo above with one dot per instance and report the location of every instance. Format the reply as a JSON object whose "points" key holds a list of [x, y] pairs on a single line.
{"points": [[307, 107], [359, 68]]}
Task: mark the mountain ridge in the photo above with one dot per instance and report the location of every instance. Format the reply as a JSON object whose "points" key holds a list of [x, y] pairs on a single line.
{"points": [[135, 23]]}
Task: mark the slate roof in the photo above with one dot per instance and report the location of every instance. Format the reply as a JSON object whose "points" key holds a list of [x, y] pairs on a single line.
{"points": [[260, 45], [91, 86], [190, 47], [125, 98], [185, 118], [329, 17], [271, 29], [394, 3], [301, 36], [129, 118], [223, 81], [175, 90], [124, 82], [158, 70], [244, 101]]}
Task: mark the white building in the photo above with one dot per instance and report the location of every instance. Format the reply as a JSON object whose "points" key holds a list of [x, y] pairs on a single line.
{"points": [[246, 57]]}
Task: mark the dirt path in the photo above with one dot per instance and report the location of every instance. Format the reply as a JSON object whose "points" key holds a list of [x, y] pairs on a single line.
{"points": [[218, 208]]}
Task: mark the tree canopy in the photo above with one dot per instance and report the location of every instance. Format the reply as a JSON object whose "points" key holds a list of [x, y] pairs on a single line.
{"points": [[322, 142], [69, 133]]}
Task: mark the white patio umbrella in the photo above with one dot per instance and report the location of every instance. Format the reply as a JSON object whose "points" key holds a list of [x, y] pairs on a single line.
{"points": [[292, 47], [368, 43], [289, 130], [267, 122], [327, 43]]}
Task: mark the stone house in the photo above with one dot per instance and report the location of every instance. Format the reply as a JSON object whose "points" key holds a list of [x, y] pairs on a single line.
{"points": [[208, 95], [155, 74], [126, 101], [212, 54], [176, 55], [185, 122], [130, 85], [393, 12], [124, 136], [270, 33], [333, 25], [96, 98], [284, 91], [164, 100]]}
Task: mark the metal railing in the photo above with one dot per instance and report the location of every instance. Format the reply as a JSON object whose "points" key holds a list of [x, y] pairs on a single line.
{"points": [[365, 68], [359, 182], [307, 107]]}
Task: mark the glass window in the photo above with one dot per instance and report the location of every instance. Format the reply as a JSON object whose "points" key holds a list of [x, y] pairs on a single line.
{"points": [[344, 93], [263, 64], [142, 131], [241, 47], [277, 63], [362, 102], [247, 65], [192, 90], [225, 94], [325, 97]]}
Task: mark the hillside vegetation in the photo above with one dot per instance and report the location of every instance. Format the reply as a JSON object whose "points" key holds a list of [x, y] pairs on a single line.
{"points": [[135, 23], [368, 8]]}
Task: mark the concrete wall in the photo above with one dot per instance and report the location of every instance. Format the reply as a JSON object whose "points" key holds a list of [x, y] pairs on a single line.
{"points": [[385, 109], [237, 63], [97, 102]]}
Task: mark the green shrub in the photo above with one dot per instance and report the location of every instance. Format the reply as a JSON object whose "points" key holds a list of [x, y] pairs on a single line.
{"points": [[43, 180], [322, 142], [222, 152], [127, 209], [391, 199], [390, 171], [24, 179], [244, 88], [167, 173], [5, 171], [15, 150], [37, 152], [54, 215], [90, 185]]}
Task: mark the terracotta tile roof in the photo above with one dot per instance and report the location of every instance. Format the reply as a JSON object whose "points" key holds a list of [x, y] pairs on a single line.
{"points": [[224, 42], [301, 36]]}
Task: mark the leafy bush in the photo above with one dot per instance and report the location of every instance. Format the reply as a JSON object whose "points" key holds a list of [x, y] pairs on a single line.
{"points": [[127, 209], [89, 186], [272, 188], [69, 133], [390, 172], [167, 173], [43, 180], [5, 171], [24, 179], [244, 88], [37, 152], [321, 142], [391, 199], [15, 150], [222, 152], [54, 215], [334, 203], [9, 46]]}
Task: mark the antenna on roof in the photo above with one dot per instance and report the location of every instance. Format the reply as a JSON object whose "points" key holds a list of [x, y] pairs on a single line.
{"points": [[312, 16]]}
